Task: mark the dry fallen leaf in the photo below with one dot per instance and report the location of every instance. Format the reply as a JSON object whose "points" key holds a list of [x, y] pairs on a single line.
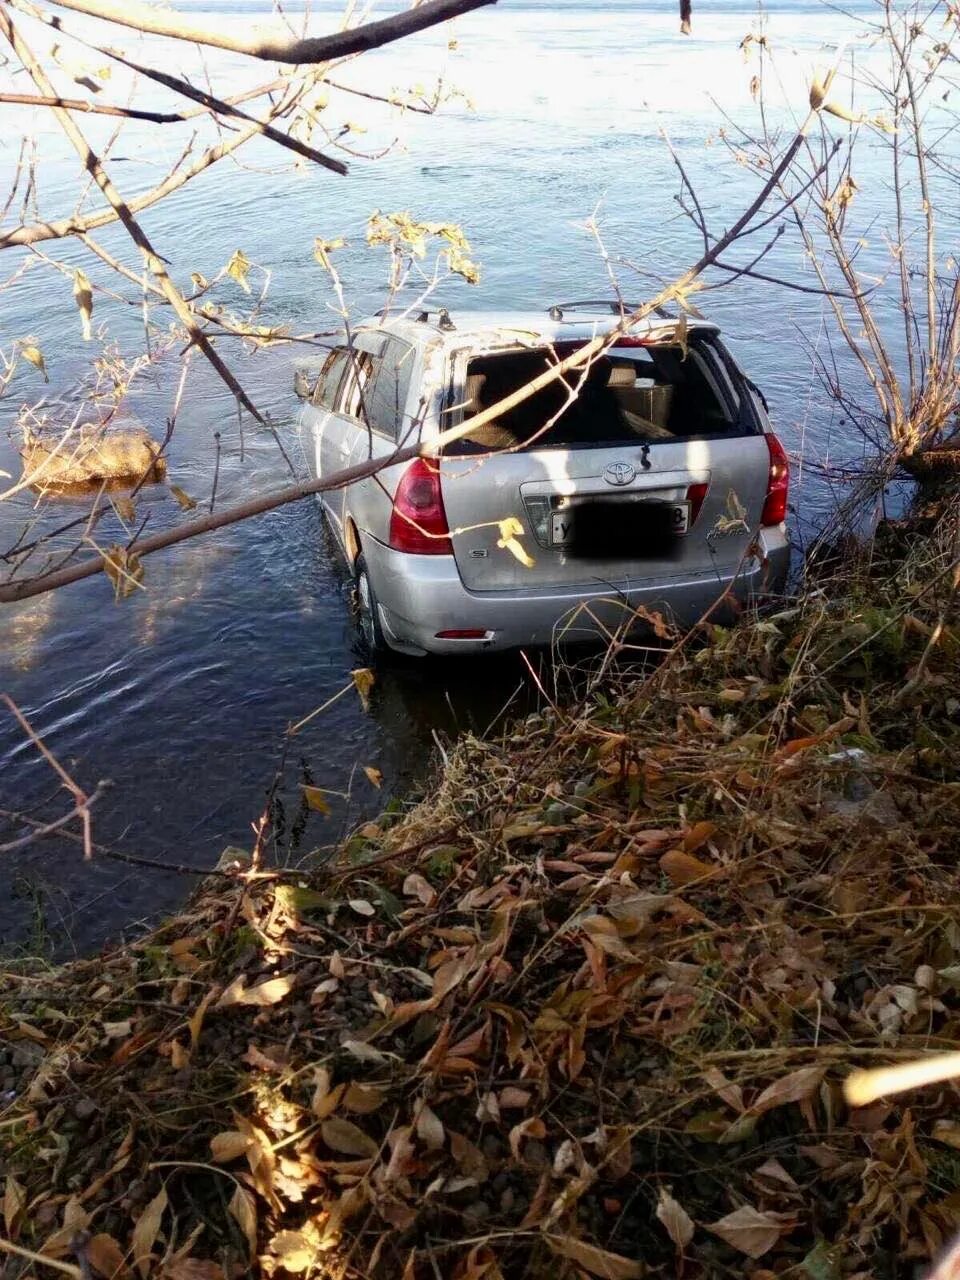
{"points": [[264, 993], [417, 886], [146, 1231], [14, 1203], [430, 1129], [598, 1262], [191, 1269], [243, 1209], [293, 1250], [795, 1087], [229, 1145], [675, 1218], [750, 1231], [374, 776], [362, 1099], [106, 1257], [683, 868], [345, 1137]]}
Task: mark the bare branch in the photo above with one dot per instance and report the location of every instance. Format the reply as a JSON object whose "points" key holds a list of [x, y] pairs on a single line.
{"points": [[155, 21], [94, 108], [51, 828], [221, 107]]}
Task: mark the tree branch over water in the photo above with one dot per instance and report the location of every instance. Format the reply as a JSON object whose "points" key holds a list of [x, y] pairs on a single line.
{"points": [[371, 35]]}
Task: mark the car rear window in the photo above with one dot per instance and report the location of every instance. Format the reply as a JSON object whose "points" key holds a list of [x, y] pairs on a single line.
{"points": [[655, 393]]}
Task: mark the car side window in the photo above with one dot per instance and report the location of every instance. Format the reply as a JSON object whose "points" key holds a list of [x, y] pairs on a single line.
{"points": [[329, 379], [387, 395], [361, 370]]}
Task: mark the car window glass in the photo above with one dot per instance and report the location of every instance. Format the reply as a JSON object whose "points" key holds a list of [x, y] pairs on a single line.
{"points": [[362, 369], [388, 394], [660, 392], [329, 379]]}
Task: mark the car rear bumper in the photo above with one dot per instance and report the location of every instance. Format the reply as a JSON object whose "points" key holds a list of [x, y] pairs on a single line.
{"points": [[420, 596]]}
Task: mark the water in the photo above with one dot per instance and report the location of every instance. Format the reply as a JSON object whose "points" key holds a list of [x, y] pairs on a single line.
{"points": [[182, 693]]}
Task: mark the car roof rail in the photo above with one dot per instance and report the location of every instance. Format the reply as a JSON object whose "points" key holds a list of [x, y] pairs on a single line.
{"points": [[444, 320], [613, 305]]}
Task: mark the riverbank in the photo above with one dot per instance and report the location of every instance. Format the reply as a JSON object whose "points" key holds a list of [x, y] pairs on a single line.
{"points": [[587, 1008]]}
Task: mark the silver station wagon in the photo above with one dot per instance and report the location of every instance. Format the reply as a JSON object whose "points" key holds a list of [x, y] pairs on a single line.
{"points": [[651, 482]]}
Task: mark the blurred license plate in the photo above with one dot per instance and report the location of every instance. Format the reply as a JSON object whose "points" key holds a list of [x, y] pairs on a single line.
{"points": [[618, 526]]}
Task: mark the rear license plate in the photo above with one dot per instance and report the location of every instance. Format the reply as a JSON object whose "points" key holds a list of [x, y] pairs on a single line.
{"points": [[619, 527]]}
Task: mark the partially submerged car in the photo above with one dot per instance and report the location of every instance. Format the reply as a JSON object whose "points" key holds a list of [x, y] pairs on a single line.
{"points": [[650, 481]]}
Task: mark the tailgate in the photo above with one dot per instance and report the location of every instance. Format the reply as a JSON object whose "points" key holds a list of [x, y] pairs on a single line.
{"points": [[605, 515]]}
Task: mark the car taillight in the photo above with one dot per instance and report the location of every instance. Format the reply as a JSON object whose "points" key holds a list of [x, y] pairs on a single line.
{"points": [[695, 496], [778, 483], [418, 522]]}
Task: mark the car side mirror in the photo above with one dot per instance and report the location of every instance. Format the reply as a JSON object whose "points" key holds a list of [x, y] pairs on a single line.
{"points": [[302, 384]]}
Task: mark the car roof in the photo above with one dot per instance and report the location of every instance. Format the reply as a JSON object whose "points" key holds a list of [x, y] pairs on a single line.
{"points": [[548, 326]]}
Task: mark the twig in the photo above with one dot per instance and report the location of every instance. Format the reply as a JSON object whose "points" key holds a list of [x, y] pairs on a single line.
{"points": [[81, 800], [50, 828], [94, 108], [67, 1268]]}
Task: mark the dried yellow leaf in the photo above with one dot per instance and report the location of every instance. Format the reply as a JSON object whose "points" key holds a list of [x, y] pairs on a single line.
{"points": [[316, 799], [510, 530], [35, 357], [238, 268], [124, 569], [182, 498], [229, 1145], [146, 1231], [243, 1209], [125, 509], [363, 680], [83, 297]]}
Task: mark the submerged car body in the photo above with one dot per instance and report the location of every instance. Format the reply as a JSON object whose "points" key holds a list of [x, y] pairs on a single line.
{"points": [[649, 482]]}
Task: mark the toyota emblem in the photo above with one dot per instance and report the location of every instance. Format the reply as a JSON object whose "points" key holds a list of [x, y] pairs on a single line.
{"points": [[619, 473]]}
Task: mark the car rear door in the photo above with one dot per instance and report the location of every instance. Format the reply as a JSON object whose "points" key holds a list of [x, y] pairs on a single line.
{"points": [[666, 507], [329, 442], [383, 418]]}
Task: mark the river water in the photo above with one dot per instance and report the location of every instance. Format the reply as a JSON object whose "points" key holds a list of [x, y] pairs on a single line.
{"points": [[181, 694]]}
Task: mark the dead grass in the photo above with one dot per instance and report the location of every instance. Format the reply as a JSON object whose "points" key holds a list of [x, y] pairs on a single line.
{"points": [[91, 455], [585, 1011]]}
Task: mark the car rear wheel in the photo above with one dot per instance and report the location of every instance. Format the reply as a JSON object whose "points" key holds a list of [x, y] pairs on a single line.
{"points": [[368, 613]]}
